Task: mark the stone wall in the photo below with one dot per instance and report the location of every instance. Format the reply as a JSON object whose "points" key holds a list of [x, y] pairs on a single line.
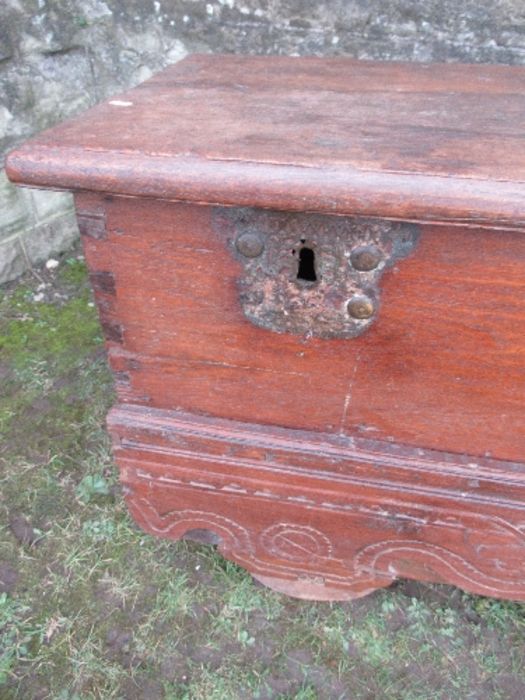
{"points": [[58, 57]]}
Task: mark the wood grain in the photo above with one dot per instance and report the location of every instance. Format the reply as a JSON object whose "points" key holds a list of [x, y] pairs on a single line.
{"points": [[442, 367], [395, 140]]}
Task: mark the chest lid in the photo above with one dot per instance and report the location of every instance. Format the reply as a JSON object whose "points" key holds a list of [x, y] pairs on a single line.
{"points": [[406, 141]]}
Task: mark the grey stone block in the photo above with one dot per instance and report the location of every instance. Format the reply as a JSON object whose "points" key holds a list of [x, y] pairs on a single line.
{"points": [[39, 222], [16, 209], [12, 261], [48, 204], [52, 237]]}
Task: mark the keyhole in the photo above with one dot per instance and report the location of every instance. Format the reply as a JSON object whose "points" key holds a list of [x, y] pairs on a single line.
{"points": [[306, 269]]}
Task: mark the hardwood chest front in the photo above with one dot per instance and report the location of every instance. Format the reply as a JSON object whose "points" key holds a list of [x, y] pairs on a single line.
{"points": [[311, 278]]}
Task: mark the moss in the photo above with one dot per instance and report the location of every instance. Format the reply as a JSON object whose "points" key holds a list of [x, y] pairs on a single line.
{"points": [[54, 371], [59, 335], [73, 271]]}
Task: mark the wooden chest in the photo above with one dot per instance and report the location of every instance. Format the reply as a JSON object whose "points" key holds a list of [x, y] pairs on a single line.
{"points": [[311, 278]]}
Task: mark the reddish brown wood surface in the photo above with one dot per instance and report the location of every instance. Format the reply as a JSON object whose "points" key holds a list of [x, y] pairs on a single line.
{"points": [[327, 467], [442, 367], [314, 462], [394, 140], [319, 516]]}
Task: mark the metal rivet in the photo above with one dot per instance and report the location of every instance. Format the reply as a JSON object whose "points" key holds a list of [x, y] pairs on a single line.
{"points": [[251, 245], [365, 258], [360, 307]]}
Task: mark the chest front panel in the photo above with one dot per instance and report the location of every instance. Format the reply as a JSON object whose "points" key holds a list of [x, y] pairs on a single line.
{"points": [[442, 364]]}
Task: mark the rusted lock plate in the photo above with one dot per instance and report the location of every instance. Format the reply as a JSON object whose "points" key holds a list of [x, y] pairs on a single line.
{"points": [[312, 274]]}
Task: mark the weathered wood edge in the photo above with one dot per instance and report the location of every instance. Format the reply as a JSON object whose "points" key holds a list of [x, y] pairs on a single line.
{"points": [[343, 191], [391, 462]]}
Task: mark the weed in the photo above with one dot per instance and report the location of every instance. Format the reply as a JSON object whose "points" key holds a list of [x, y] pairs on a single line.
{"points": [[92, 486], [18, 634]]}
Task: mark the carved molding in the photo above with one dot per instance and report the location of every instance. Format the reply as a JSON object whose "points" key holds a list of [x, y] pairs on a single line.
{"points": [[331, 533], [293, 552]]}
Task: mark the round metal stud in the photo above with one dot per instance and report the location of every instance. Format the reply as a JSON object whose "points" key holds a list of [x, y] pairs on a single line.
{"points": [[365, 258], [251, 245], [360, 307]]}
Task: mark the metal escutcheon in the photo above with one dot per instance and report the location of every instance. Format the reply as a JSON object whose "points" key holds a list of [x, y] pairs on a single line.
{"points": [[312, 274]]}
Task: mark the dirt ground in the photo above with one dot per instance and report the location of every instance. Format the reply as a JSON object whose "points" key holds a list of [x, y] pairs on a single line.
{"points": [[91, 607]]}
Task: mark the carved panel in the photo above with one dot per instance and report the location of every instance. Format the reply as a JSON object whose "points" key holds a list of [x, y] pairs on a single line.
{"points": [[331, 533]]}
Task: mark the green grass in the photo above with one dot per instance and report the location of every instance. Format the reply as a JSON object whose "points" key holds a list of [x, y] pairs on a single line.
{"points": [[96, 609]]}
